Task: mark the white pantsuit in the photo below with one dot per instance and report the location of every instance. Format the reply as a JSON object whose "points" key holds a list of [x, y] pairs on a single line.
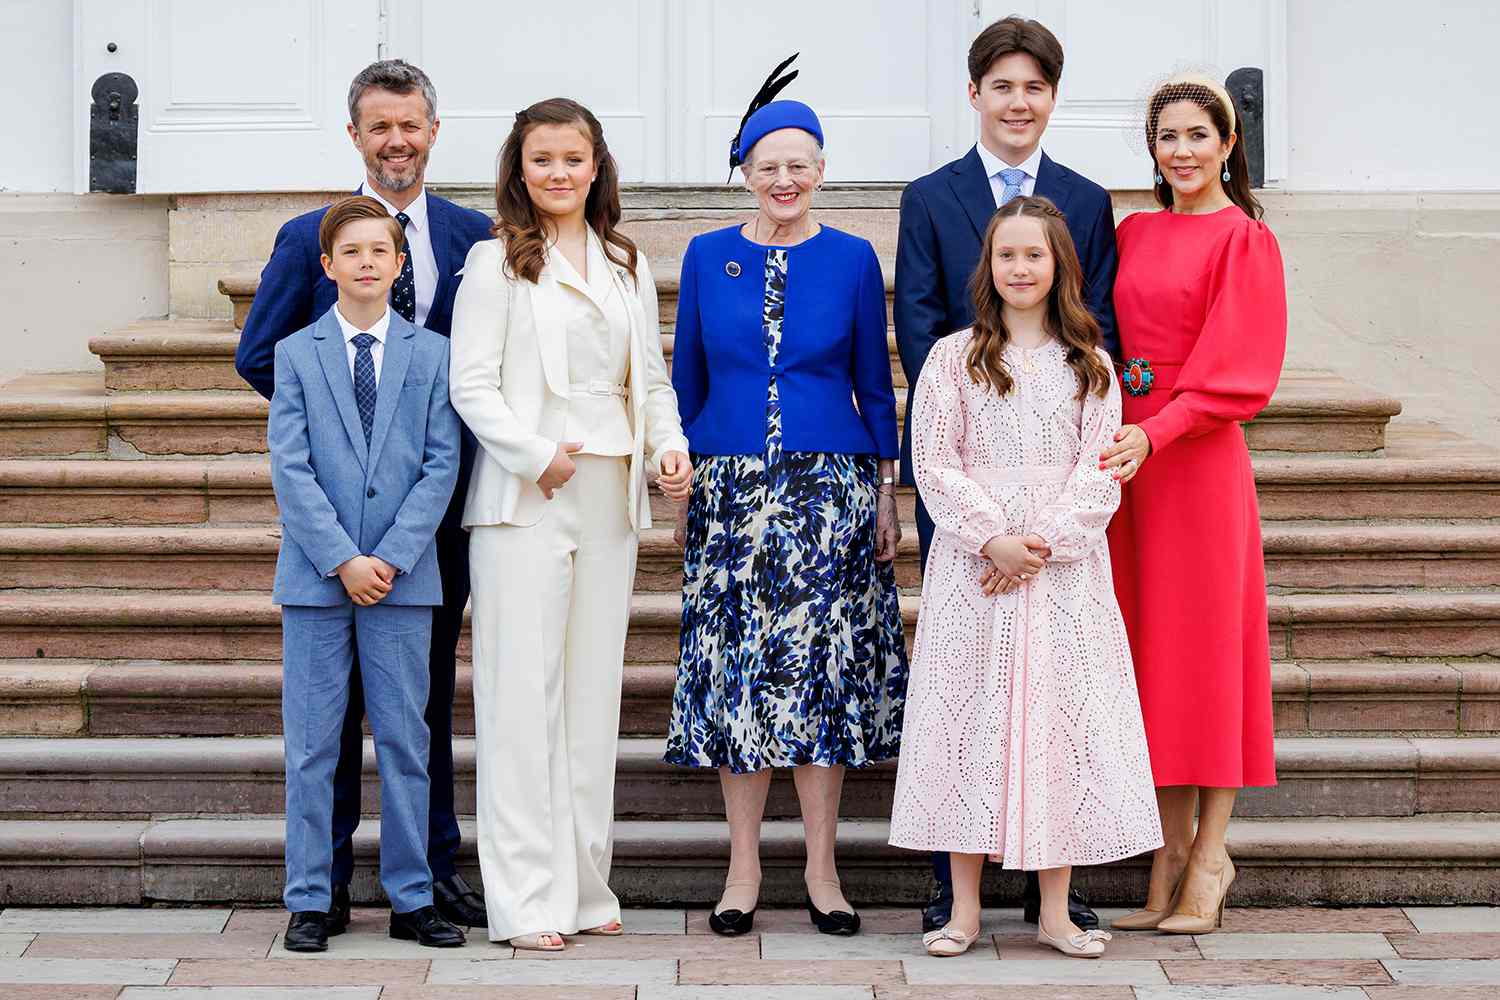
{"points": [[535, 364]]}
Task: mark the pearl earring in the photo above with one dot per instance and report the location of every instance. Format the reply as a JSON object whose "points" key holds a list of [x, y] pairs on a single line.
{"points": [[1225, 175]]}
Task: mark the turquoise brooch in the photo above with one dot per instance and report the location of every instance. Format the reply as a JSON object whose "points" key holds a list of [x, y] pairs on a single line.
{"points": [[1137, 376]]}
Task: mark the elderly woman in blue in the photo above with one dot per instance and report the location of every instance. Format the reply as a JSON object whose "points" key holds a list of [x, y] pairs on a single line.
{"points": [[792, 652]]}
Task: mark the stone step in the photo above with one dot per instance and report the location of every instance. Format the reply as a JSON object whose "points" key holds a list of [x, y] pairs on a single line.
{"points": [[183, 697], [169, 354], [156, 778], [1423, 473], [1312, 411], [1430, 859], [1299, 556], [73, 415], [190, 625]]}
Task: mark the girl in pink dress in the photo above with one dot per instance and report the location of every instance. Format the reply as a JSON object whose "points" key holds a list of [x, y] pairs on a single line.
{"points": [[1023, 738]]}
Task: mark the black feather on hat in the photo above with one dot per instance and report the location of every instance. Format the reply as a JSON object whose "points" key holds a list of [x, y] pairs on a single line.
{"points": [[765, 95]]}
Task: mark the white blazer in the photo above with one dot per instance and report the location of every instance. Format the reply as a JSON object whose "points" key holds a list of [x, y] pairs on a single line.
{"points": [[508, 380]]}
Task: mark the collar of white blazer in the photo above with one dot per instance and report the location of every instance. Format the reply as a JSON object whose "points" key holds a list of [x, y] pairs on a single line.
{"points": [[547, 307]]}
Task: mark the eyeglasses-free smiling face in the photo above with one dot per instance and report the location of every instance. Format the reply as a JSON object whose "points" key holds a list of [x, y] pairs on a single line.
{"points": [[1021, 262], [557, 164], [394, 134], [1188, 151], [364, 262], [785, 168], [1015, 103]]}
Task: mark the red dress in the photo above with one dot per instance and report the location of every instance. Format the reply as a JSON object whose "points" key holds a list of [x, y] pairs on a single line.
{"points": [[1203, 299]]}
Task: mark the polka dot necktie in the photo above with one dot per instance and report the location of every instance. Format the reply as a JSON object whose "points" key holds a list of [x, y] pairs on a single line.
{"points": [[364, 382], [404, 291], [1012, 178]]}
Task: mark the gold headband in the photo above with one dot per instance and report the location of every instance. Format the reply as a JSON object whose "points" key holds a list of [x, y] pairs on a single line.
{"points": [[1207, 83]]}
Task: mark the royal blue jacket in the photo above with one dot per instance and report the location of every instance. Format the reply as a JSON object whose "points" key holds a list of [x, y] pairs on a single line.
{"points": [[833, 351], [943, 218]]}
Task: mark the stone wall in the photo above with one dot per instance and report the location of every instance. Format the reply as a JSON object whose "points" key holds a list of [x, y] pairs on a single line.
{"points": [[1396, 291], [73, 267]]}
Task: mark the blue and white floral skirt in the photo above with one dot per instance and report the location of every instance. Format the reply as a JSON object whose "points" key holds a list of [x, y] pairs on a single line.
{"points": [[792, 650]]}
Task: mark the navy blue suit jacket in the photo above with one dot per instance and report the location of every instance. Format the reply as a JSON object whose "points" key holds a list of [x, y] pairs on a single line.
{"points": [[294, 291], [943, 219]]}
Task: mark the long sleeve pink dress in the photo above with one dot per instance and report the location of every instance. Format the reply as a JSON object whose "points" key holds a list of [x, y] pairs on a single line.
{"points": [[1023, 736]]}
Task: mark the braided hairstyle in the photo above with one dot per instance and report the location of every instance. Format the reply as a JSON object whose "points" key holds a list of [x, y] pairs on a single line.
{"points": [[1067, 318]]}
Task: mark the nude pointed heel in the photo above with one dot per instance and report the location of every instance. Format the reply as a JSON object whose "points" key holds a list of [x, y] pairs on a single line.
{"points": [[1209, 918], [1150, 920]]}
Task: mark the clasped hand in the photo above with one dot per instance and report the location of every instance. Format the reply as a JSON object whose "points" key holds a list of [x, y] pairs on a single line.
{"points": [[1014, 559], [366, 579]]}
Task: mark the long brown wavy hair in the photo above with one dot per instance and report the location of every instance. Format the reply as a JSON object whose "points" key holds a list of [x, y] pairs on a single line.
{"points": [[1238, 185], [521, 226], [1067, 319]]}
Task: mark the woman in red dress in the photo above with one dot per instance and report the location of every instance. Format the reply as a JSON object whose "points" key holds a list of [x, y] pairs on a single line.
{"points": [[1201, 303]]}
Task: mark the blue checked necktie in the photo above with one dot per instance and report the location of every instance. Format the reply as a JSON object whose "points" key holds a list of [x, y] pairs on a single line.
{"points": [[404, 291], [364, 382], [1012, 177]]}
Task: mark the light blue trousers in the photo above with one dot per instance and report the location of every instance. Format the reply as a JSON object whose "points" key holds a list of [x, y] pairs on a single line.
{"points": [[318, 646]]}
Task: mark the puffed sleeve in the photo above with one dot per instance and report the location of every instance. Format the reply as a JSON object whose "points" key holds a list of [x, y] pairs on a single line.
{"points": [[663, 428], [956, 503], [872, 357], [1074, 524], [481, 321], [1235, 364]]}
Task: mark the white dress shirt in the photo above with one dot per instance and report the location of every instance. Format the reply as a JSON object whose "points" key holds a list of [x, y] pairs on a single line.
{"points": [[598, 328], [993, 165], [377, 349], [418, 247]]}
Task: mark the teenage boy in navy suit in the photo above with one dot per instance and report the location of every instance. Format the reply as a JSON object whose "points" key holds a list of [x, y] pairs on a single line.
{"points": [[393, 123], [1014, 68], [364, 457]]}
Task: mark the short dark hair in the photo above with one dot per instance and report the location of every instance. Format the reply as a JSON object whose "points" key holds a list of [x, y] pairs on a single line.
{"points": [[1017, 34], [352, 209], [396, 75]]}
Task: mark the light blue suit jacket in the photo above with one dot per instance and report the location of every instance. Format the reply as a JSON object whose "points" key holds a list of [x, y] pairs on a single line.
{"points": [[339, 498]]}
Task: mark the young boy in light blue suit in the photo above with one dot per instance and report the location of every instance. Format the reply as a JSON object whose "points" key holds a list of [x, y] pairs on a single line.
{"points": [[364, 457]]}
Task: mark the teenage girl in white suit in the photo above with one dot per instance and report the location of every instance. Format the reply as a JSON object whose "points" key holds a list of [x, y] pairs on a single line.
{"points": [[557, 368]]}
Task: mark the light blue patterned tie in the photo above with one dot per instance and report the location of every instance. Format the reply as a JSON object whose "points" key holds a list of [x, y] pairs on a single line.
{"points": [[1013, 178], [364, 382]]}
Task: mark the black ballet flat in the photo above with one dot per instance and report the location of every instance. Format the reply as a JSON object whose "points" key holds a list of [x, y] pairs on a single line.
{"points": [[731, 923], [841, 923]]}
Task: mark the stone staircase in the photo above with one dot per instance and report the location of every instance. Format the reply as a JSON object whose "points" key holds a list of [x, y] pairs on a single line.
{"points": [[140, 755]]}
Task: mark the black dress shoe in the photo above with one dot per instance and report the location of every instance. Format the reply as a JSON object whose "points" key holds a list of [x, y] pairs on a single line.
{"points": [[937, 913], [1078, 910], [307, 930], [426, 927], [731, 923], [338, 913], [459, 903], [840, 922]]}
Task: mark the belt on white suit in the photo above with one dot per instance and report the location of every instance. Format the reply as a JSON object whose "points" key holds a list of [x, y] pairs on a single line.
{"points": [[600, 387]]}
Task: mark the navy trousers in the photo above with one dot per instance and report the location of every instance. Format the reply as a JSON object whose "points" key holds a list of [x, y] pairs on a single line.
{"points": [[447, 621]]}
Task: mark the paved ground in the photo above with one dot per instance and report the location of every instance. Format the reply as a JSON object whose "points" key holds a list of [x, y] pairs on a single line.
{"points": [[1413, 953]]}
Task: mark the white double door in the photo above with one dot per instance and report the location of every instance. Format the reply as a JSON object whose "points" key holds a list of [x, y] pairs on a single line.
{"points": [[251, 97]]}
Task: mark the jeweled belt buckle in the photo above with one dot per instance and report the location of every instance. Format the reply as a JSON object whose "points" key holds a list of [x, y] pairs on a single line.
{"points": [[1137, 376]]}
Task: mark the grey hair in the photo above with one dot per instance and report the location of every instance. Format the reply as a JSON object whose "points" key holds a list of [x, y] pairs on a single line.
{"points": [[396, 75], [817, 155]]}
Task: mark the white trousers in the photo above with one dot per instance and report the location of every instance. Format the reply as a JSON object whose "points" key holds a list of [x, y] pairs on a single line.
{"points": [[551, 605]]}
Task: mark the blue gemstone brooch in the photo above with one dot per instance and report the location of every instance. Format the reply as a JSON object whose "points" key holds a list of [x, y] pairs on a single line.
{"points": [[1137, 376]]}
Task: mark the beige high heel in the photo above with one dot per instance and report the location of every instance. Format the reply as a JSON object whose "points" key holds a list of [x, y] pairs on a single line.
{"points": [[612, 929], [1190, 918], [1150, 920]]}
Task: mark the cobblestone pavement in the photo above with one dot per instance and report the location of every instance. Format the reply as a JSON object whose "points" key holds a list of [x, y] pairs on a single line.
{"points": [[1411, 953]]}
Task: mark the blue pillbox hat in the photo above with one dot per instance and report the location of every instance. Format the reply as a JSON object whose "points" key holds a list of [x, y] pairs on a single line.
{"points": [[774, 116]]}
